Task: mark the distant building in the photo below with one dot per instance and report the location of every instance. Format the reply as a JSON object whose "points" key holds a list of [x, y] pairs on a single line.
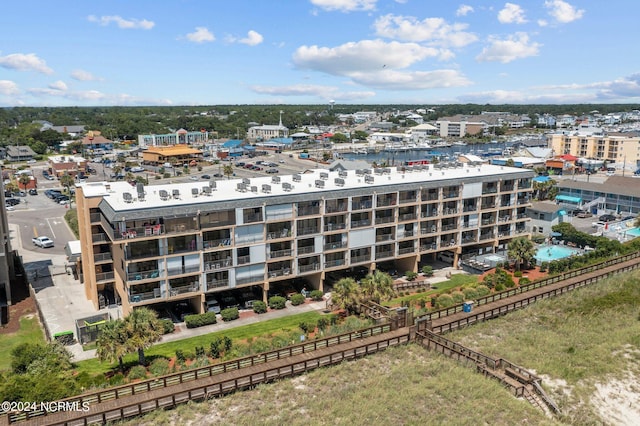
{"points": [[544, 215], [60, 165], [19, 153], [180, 137], [174, 155], [94, 140], [615, 148]]}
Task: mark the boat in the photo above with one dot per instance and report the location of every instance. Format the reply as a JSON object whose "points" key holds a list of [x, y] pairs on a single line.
{"points": [[459, 143], [442, 144], [423, 145], [394, 147], [362, 151]]}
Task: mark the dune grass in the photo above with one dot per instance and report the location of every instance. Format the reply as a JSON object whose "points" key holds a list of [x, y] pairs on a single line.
{"points": [[29, 332]]}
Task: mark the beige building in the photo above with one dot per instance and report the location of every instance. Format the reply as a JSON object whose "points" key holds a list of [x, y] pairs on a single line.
{"points": [[190, 242], [614, 148]]}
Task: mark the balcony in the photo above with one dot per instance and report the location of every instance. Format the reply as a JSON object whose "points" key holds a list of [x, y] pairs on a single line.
{"points": [[406, 250], [486, 206], [282, 272], [308, 211], [178, 228], [429, 213], [360, 223], [333, 263], [384, 237], [487, 236], [217, 264], [143, 275], [384, 254], [489, 190], [283, 233], [249, 279], [104, 276], [94, 217], [334, 226], [449, 227], [213, 284], [175, 291], [242, 260], [99, 238], [362, 205], [308, 268], [308, 230], [428, 246], [306, 250], [222, 242], [431, 196], [407, 216], [428, 229], [280, 253], [334, 245], [335, 208], [184, 270], [145, 231], [451, 195], [361, 258], [472, 208], [488, 221], [384, 219], [141, 297], [504, 218], [252, 218], [406, 234], [449, 211], [102, 257]]}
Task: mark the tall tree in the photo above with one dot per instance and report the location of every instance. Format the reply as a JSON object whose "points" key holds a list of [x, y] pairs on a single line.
{"points": [[228, 170], [142, 329], [521, 251], [377, 286], [112, 343], [67, 181], [24, 180]]}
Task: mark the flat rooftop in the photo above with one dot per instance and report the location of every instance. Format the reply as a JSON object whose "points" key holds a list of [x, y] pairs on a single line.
{"points": [[311, 182]]}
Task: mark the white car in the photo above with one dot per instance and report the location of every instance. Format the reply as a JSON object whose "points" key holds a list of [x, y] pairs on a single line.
{"points": [[137, 169], [42, 241]]}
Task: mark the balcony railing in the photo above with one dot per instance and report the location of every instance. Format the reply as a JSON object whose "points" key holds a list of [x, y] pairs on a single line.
{"points": [[451, 195], [429, 197], [146, 231], [174, 291], [449, 210], [489, 190], [308, 211], [104, 276], [486, 206], [274, 273], [98, 238], [406, 234], [211, 284], [143, 275], [279, 253], [449, 227], [184, 270], [504, 218], [486, 236], [331, 208], [333, 263], [430, 213], [470, 208], [94, 217], [221, 242], [250, 279], [244, 259], [306, 249], [283, 233], [308, 268], [384, 254], [407, 216], [489, 221], [406, 250], [407, 200], [217, 264], [361, 258], [428, 230], [383, 219], [334, 226], [141, 297], [101, 257], [360, 223], [384, 237], [250, 218], [308, 230], [334, 245], [427, 247], [361, 205]]}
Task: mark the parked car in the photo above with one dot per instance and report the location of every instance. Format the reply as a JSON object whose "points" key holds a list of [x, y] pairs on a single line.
{"points": [[42, 241], [11, 201], [50, 193], [218, 175], [607, 218], [137, 169], [213, 306], [206, 177], [32, 161], [272, 170], [240, 164], [33, 191], [580, 213]]}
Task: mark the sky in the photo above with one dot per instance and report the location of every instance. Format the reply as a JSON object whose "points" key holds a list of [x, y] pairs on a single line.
{"points": [[214, 52]]}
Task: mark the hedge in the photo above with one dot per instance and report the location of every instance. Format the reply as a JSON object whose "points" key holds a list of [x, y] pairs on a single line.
{"points": [[297, 299], [229, 314], [259, 307], [198, 320], [277, 302]]}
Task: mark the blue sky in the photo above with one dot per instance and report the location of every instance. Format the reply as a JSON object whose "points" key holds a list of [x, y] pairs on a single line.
{"points": [[208, 52]]}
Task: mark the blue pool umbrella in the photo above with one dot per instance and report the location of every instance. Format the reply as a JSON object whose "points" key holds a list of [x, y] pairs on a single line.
{"points": [[556, 234]]}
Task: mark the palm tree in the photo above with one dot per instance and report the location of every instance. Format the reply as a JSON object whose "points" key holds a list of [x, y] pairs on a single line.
{"points": [[24, 180], [346, 294], [522, 251], [112, 343], [67, 181], [228, 170], [143, 329], [378, 286]]}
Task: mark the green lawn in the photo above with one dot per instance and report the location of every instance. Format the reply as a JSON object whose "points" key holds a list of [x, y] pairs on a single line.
{"points": [[30, 332], [457, 280], [262, 328]]}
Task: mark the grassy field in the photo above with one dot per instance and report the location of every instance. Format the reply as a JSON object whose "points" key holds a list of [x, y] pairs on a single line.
{"points": [[30, 332], [574, 342], [168, 350]]}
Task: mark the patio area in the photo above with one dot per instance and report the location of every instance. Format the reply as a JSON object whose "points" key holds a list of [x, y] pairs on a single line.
{"points": [[480, 263]]}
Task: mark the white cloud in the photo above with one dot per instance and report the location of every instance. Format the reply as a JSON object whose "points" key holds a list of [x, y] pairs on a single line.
{"points": [[82, 75], [127, 24], [562, 12], [434, 30], [58, 85], [511, 14], [362, 56], [25, 62], [542, 22], [345, 5], [201, 35], [464, 10], [506, 50], [321, 92], [253, 38], [412, 80], [8, 88], [518, 97]]}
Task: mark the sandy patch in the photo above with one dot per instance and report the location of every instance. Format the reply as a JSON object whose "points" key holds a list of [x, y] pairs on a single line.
{"points": [[618, 401]]}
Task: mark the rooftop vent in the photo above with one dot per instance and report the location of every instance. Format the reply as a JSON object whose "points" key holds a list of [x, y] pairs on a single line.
{"points": [[242, 187], [246, 181], [176, 193], [254, 188], [297, 178], [378, 170], [212, 184], [286, 186], [164, 195], [127, 197], [324, 175], [266, 188], [359, 172], [275, 179], [194, 192], [206, 190]]}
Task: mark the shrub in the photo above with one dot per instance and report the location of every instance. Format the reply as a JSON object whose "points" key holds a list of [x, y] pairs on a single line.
{"points": [[500, 287], [470, 293], [214, 348], [199, 320], [117, 379], [229, 314], [304, 327], [422, 303], [427, 270], [517, 274], [482, 290], [297, 299], [524, 281], [259, 307], [200, 351], [322, 323], [180, 356], [166, 175], [411, 275], [458, 297], [201, 361], [159, 367], [137, 372], [167, 326], [544, 266], [226, 342], [277, 302], [444, 301], [316, 295]]}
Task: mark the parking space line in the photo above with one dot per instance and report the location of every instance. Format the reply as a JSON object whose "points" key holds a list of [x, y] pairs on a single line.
{"points": [[51, 227]]}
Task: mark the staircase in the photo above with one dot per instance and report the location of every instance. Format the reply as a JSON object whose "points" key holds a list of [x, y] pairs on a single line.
{"points": [[599, 200]]}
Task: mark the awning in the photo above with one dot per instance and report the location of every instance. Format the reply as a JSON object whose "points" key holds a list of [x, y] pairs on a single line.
{"points": [[568, 199], [541, 179], [556, 234], [562, 212]]}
